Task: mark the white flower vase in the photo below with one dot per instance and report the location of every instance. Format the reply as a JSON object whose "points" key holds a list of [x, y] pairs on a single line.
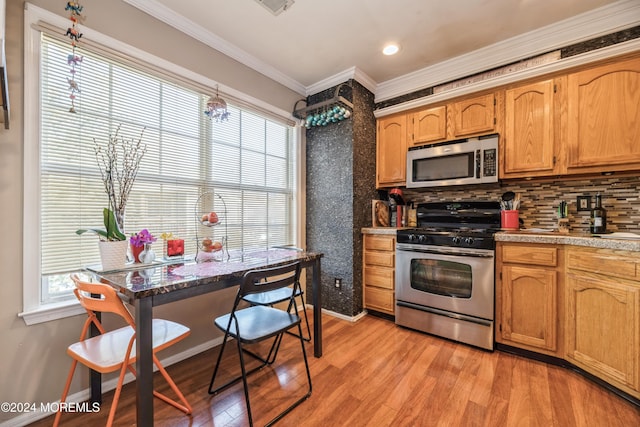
{"points": [[113, 255], [147, 256]]}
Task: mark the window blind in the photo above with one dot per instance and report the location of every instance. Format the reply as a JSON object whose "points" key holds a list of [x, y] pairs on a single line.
{"points": [[248, 162]]}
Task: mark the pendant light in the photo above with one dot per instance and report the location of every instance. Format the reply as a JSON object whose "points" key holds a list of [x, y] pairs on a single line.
{"points": [[217, 108]]}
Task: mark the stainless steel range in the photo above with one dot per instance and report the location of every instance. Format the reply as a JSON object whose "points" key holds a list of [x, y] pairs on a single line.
{"points": [[445, 271]]}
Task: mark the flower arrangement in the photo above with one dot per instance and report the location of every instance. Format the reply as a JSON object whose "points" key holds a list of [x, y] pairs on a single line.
{"points": [[142, 238]]}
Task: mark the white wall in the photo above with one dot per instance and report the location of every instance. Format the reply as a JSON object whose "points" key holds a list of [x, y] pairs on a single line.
{"points": [[33, 360]]}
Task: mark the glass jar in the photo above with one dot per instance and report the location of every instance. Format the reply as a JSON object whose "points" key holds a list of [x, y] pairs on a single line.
{"points": [[147, 256]]}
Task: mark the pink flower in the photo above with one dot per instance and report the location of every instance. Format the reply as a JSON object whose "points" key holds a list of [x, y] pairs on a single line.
{"points": [[142, 238]]}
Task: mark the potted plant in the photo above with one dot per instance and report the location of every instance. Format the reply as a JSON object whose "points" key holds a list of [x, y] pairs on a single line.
{"points": [[141, 246], [118, 161]]}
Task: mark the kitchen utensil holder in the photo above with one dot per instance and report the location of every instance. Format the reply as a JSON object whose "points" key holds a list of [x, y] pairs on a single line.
{"points": [[510, 219]]}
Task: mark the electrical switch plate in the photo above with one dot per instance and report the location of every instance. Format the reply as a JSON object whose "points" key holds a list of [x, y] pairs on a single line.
{"points": [[583, 203]]}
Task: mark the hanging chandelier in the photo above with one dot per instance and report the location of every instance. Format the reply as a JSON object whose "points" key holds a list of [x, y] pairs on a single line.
{"points": [[217, 108]]}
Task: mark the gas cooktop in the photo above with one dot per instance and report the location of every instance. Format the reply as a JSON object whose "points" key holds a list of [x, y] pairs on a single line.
{"points": [[470, 224]]}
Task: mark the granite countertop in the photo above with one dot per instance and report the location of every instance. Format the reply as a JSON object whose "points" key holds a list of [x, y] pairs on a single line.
{"points": [[151, 280], [575, 239]]}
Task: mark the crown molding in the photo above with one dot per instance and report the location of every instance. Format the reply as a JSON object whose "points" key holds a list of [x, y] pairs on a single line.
{"points": [[190, 28], [605, 20], [351, 73], [563, 64]]}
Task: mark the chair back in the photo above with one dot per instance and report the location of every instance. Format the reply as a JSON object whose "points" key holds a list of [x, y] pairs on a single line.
{"points": [[100, 297], [268, 279]]}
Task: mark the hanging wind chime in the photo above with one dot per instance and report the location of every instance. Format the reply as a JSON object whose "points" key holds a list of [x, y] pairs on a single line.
{"points": [[73, 60]]}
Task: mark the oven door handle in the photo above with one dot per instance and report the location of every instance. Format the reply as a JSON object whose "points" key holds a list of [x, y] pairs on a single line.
{"points": [[488, 254]]}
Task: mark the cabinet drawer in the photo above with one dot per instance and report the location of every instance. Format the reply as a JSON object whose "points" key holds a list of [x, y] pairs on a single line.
{"points": [[608, 263], [380, 243], [379, 276], [383, 259], [379, 299], [533, 255]]}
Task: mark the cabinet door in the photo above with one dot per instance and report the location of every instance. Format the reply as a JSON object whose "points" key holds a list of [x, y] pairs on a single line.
{"points": [[428, 125], [529, 306], [529, 147], [473, 116], [391, 155], [603, 328], [603, 128]]}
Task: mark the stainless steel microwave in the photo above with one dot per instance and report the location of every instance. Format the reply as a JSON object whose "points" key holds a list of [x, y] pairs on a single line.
{"points": [[459, 162]]}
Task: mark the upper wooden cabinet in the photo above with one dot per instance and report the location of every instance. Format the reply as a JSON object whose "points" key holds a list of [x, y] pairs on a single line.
{"points": [[428, 125], [603, 129], [529, 138], [467, 117], [473, 116], [391, 151]]}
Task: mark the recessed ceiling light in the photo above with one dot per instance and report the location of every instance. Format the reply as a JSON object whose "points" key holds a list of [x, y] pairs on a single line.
{"points": [[390, 49]]}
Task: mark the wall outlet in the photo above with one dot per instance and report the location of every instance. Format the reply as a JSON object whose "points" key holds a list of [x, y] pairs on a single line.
{"points": [[583, 203], [337, 283]]}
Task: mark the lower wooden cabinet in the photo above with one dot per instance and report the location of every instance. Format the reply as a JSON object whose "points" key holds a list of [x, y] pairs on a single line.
{"points": [[378, 273], [528, 297], [603, 315]]}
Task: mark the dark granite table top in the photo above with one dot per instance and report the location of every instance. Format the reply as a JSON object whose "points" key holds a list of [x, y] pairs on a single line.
{"points": [[162, 278]]}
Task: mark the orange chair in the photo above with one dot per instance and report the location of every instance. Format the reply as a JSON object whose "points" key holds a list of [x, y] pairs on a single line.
{"points": [[115, 350]]}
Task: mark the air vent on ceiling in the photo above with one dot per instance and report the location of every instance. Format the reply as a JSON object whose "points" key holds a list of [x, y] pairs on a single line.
{"points": [[276, 6]]}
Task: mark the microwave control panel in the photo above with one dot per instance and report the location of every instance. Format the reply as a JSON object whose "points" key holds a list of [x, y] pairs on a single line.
{"points": [[489, 162]]}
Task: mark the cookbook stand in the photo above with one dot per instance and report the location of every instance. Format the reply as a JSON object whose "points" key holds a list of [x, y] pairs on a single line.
{"points": [[211, 237]]}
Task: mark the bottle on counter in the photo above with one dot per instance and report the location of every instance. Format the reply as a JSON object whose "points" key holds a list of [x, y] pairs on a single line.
{"points": [[598, 219]]}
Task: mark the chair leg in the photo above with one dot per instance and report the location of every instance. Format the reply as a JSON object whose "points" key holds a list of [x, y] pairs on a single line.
{"points": [[116, 395], [244, 382], [215, 369], [271, 356], [306, 396], [236, 379], [306, 320], [186, 408], [65, 392]]}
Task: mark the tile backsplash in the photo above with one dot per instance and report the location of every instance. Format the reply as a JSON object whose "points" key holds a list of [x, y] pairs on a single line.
{"points": [[540, 199]]}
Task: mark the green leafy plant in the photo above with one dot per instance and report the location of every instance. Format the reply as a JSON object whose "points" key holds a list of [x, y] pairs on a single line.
{"points": [[111, 231]]}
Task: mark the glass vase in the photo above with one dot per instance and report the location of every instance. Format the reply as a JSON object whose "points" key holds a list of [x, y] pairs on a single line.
{"points": [[147, 256]]}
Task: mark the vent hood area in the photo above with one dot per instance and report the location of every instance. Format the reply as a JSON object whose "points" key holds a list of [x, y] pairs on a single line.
{"points": [[4, 84]]}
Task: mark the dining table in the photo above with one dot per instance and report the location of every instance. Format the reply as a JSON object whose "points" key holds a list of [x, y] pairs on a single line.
{"points": [[145, 286]]}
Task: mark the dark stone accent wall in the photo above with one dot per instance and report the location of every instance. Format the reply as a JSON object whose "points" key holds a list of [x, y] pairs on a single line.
{"points": [[576, 49], [340, 186]]}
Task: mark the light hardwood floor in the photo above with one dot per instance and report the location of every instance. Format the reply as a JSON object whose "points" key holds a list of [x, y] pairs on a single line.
{"points": [[374, 373]]}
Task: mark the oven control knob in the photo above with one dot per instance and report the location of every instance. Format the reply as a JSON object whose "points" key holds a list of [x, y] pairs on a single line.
{"points": [[412, 237], [456, 240], [422, 238], [468, 241]]}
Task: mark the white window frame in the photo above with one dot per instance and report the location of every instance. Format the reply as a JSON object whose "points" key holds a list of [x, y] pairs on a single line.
{"points": [[33, 310]]}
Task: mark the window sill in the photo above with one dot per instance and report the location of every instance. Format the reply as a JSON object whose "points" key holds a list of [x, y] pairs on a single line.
{"points": [[49, 312]]}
